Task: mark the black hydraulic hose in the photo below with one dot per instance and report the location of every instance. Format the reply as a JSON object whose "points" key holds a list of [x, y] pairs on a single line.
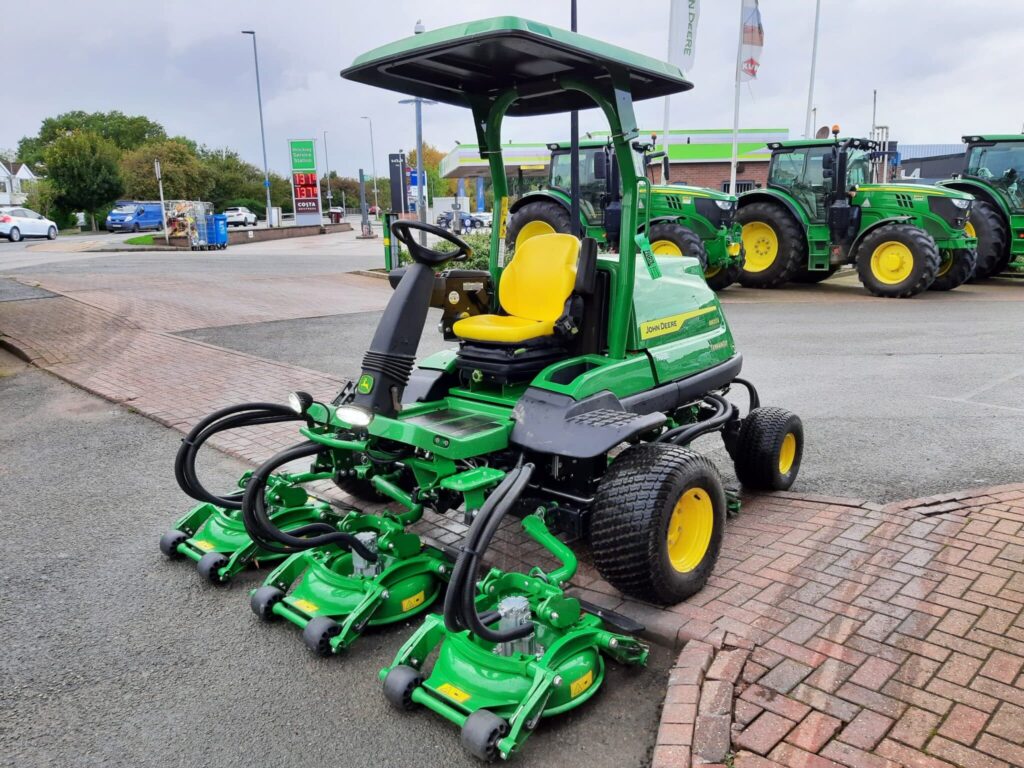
{"points": [[268, 536], [232, 417], [688, 432], [460, 601]]}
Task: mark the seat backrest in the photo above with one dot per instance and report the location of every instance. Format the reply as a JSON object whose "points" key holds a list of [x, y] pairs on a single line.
{"points": [[540, 277]]}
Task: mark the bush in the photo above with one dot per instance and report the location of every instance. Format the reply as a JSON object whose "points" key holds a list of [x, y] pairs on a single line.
{"points": [[481, 245]]}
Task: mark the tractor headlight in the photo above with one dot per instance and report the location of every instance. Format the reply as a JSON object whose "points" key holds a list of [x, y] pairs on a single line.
{"points": [[354, 416], [961, 203], [300, 402], [725, 205]]}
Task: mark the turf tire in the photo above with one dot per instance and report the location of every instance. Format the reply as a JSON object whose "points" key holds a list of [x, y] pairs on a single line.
{"points": [[962, 269], [792, 252], [923, 249], [755, 453], [631, 515]]}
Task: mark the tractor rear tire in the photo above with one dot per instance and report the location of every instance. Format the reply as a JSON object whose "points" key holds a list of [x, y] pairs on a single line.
{"points": [[550, 216], [658, 522], [768, 450], [955, 269], [668, 238], [809, 276], [775, 254], [992, 240], [916, 255]]}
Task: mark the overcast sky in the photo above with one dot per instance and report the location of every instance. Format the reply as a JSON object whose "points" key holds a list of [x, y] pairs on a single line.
{"points": [[942, 68]]}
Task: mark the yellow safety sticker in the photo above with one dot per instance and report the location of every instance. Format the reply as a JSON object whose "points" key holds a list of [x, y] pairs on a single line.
{"points": [[304, 605], [580, 685], [663, 325], [411, 602], [504, 217], [206, 546], [453, 693]]}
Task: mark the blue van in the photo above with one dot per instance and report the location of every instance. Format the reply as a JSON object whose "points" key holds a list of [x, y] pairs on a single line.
{"points": [[132, 216]]}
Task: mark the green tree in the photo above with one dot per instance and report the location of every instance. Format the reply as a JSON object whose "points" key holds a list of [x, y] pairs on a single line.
{"points": [[183, 173], [229, 178], [124, 131], [42, 197], [85, 171], [436, 185]]}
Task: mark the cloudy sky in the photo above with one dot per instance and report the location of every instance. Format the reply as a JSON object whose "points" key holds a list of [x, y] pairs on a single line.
{"points": [[942, 68]]}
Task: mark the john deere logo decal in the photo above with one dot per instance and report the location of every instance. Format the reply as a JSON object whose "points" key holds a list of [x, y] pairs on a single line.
{"points": [[671, 324], [365, 385]]}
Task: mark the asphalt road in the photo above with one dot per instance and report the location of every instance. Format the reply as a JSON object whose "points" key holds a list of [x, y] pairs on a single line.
{"points": [[899, 399], [113, 655]]}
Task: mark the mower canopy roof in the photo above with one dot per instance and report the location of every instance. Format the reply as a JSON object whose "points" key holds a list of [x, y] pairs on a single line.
{"points": [[983, 137], [481, 59]]}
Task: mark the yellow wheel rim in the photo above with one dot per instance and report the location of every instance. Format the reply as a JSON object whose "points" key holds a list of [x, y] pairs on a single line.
{"points": [[892, 262], [689, 529], [761, 244], [665, 248], [712, 271], [787, 454], [969, 230], [946, 264], [532, 229]]}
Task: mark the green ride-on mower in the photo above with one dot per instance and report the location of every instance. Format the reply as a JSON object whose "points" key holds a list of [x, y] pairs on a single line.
{"points": [[820, 211], [994, 173], [579, 383], [683, 220]]}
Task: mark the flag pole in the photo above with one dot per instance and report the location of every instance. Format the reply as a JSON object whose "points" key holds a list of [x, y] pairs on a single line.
{"points": [[668, 98], [814, 60], [736, 110]]}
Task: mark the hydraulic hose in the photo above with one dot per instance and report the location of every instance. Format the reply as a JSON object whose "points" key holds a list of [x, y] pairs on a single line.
{"points": [[460, 601], [268, 536], [687, 433], [232, 417]]}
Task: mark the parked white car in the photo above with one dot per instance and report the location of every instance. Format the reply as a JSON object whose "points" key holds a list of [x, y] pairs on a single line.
{"points": [[240, 217], [17, 223]]}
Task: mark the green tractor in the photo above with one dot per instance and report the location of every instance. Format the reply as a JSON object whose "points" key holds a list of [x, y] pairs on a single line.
{"points": [[820, 211], [993, 173], [684, 220]]}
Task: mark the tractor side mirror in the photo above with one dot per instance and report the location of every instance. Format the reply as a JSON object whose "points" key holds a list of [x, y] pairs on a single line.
{"points": [[600, 166], [827, 166], [665, 166]]}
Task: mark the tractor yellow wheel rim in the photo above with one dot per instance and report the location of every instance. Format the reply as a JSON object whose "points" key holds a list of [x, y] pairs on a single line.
{"points": [[946, 264], [787, 453], [969, 230], [666, 248], [761, 244], [532, 229], [892, 262], [711, 271], [689, 529]]}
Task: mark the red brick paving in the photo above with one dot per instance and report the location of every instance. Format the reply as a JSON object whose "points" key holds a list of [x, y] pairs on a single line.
{"points": [[833, 632]]}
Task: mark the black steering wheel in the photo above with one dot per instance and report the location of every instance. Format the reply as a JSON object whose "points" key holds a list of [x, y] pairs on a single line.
{"points": [[402, 231]]}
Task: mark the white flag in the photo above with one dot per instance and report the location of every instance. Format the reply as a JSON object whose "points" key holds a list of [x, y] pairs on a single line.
{"points": [[753, 40], [682, 33]]}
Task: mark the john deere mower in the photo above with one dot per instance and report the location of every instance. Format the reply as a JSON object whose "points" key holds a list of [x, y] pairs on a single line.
{"points": [[683, 220], [820, 211], [993, 171]]}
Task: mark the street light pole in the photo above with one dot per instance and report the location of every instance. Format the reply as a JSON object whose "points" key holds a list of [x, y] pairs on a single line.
{"points": [[263, 137], [421, 207], [373, 166]]}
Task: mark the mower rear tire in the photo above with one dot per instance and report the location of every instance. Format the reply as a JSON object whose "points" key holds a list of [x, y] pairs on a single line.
{"points": [[774, 243], [481, 733], [318, 633], [956, 267], [399, 684], [541, 217], [769, 448], [668, 238], [897, 261], [209, 566], [988, 226], [263, 600], [657, 523], [169, 543]]}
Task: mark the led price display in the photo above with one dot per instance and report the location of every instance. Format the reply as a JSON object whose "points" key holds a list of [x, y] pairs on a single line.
{"points": [[306, 186]]}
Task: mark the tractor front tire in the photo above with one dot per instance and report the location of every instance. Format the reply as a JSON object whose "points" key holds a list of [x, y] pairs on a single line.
{"points": [[990, 230], [897, 261], [668, 238], [658, 522], [768, 450], [775, 245], [720, 278], [956, 267], [541, 217]]}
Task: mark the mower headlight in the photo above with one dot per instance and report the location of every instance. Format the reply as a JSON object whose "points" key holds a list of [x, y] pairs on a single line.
{"points": [[300, 402], [725, 205], [354, 416], [961, 203]]}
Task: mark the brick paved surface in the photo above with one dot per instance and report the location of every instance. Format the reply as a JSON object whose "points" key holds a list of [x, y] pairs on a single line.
{"points": [[833, 632]]}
